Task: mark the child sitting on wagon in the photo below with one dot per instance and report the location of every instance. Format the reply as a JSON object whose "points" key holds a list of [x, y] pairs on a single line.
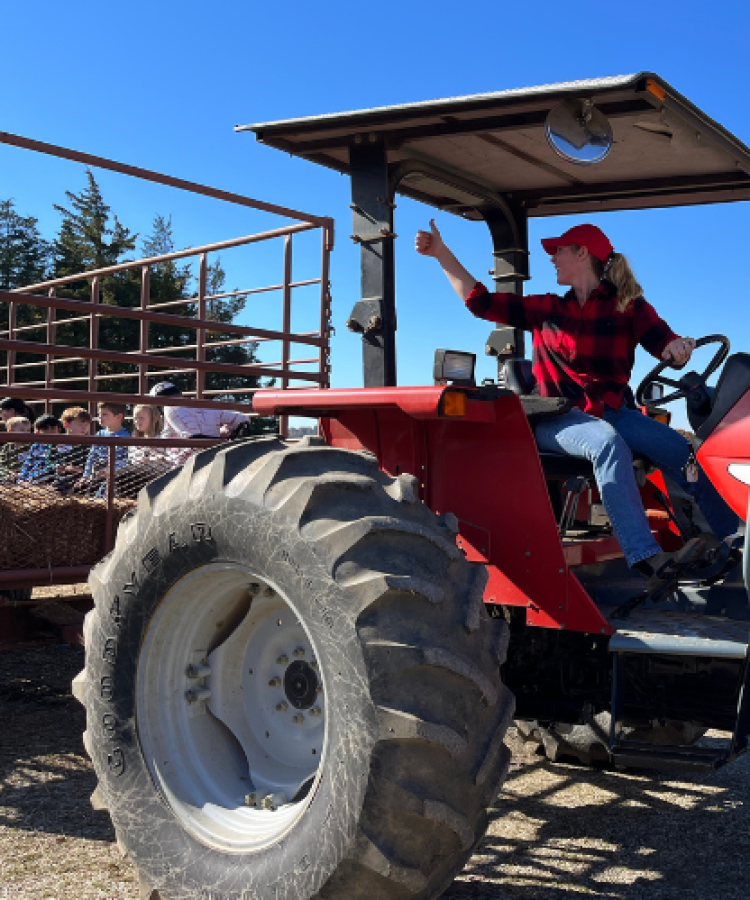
{"points": [[39, 465], [111, 416], [14, 407], [12, 456], [144, 463], [71, 458]]}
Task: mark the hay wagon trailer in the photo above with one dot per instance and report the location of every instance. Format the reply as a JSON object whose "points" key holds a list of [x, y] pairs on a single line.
{"points": [[51, 535]]}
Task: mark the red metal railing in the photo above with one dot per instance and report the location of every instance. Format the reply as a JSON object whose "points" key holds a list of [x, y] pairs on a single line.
{"points": [[145, 363], [155, 363]]}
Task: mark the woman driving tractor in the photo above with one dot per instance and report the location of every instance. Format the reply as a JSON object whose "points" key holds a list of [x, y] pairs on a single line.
{"points": [[584, 349]]}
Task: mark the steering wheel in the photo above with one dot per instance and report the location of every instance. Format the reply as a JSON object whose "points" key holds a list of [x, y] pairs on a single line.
{"points": [[682, 388]]}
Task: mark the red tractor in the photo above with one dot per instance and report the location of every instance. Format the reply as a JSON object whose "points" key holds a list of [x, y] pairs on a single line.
{"points": [[301, 664]]}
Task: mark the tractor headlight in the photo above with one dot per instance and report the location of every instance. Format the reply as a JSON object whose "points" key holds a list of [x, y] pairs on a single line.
{"points": [[454, 366]]}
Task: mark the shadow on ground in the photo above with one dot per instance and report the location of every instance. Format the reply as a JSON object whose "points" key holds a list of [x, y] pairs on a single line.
{"points": [[46, 779], [558, 830], [561, 830]]}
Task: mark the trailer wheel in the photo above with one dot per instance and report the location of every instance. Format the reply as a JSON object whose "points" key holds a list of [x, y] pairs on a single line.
{"points": [[589, 743], [292, 687]]}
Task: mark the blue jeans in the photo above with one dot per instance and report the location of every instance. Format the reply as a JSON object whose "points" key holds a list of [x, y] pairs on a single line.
{"points": [[609, 444]]}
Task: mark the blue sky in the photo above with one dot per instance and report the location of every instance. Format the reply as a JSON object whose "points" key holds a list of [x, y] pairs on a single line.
{"points": [[162, 85]]}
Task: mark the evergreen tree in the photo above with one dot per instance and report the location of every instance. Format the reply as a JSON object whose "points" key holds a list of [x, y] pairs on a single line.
{"points": [[24, 254], [86, 241], [90, 238], [24, 259], [170, 282], [225, 310]]}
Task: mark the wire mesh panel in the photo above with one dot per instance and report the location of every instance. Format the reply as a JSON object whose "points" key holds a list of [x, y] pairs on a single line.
{"points": [[50, 516], [62, 497], [42, 529]]}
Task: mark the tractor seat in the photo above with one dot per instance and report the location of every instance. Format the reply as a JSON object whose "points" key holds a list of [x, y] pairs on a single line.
{"points": [[559, 467], [518, 377]]}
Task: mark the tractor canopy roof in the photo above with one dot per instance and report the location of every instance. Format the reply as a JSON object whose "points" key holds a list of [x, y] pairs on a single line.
{"points": [[455, 154]]}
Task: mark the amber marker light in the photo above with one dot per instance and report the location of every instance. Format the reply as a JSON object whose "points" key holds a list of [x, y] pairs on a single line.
{"points": [[453, 403], [656, 89]]}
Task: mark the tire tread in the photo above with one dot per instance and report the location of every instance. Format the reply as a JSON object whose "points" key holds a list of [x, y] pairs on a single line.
{"points": [[442, 633]]}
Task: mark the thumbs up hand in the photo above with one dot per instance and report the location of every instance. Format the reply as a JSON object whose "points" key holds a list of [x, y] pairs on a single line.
{"points": [[429, 243]]}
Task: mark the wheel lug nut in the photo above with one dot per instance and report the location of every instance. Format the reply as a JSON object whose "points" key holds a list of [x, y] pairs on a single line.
{"points": [[273, 801], [196, 695], [299, 652], [319, 689], [298, 719], [282, 660], [251, 799], [196, 671], [282, 707], [269, 592], [314, 664], [253, 589], [275, 682], [315, 711]]}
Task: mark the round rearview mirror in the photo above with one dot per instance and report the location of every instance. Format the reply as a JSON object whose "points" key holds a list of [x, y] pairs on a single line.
{"points": [[578, 131]]}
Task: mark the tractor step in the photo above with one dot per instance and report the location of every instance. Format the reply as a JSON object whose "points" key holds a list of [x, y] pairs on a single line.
{"points": [[680, 634], [664, 633], [668, 757]]}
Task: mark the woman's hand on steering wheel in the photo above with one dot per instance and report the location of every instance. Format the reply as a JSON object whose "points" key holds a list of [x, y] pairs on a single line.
{"points": [[681, 387], [679, 351]]}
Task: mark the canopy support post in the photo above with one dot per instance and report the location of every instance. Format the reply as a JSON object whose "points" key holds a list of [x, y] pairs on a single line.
{"points": [[374, 316], [510, 249]]}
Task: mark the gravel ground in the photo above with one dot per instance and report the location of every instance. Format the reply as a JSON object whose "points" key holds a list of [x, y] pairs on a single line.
{"points": [[558, 829]]}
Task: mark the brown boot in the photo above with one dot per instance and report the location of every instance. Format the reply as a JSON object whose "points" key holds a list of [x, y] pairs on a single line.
{"points": [[665, 568]]}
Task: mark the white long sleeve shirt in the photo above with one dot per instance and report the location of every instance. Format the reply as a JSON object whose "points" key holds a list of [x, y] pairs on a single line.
{"points": [[184, 421]]}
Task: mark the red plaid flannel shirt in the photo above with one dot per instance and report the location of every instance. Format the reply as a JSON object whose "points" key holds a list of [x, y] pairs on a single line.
{"points": [[583, 353]]}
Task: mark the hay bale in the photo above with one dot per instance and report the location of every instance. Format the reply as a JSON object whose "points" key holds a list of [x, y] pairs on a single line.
{"points": [[40, 528]]}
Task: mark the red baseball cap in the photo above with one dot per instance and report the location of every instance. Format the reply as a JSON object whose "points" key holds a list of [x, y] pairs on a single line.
{"points": [[589, 236]]}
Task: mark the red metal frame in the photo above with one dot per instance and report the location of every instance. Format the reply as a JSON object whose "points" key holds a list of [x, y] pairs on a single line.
{"points": [[90, 312], [483, 467]]}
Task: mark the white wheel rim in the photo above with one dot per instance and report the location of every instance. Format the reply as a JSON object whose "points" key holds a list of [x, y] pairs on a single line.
{"points": [[230, 708]]}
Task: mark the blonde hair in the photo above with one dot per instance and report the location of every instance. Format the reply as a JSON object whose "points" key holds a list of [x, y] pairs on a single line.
{"points": [[13, 423], [156, 424], [75, 412], [617, 270]]}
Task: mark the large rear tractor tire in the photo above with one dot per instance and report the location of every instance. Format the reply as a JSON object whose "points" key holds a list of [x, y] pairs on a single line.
{"points": [[292, 687], [588, 743]]}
